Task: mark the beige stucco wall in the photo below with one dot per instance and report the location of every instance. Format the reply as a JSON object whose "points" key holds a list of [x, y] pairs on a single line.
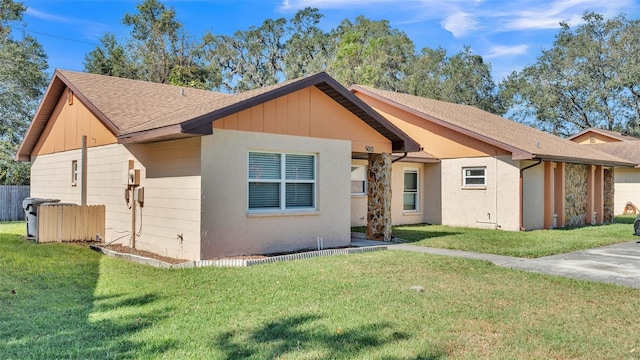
{"points": [[481, 207], [532, 196], [228, 228], [432, 195], [443, 200], [170, 175], [627, 188]]}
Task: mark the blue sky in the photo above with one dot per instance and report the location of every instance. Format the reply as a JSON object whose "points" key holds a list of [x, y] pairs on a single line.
{"points": [[508, 34]]}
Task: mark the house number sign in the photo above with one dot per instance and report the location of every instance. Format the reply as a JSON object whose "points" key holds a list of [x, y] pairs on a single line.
{"points": [[368, 148]]}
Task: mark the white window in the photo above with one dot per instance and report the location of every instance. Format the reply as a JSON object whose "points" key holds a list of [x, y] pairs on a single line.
{"points": [[281, 181], [474, 177], [410, 196], [358, 180], [74, 172]]}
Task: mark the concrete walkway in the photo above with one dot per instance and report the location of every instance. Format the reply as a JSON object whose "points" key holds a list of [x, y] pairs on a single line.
{"points": [[616, 264]]}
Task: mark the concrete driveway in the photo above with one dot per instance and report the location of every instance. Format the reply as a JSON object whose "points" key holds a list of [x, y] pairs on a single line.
{"points": [[616, 264]]}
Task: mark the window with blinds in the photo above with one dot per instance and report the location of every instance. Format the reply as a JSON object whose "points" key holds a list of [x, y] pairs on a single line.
{"points": [[281, 181], [358, 180]]}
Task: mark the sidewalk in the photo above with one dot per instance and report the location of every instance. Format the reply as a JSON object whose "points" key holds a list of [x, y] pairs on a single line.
{"points": [[616, 264]]}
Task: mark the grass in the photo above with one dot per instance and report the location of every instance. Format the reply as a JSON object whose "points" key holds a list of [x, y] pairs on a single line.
{"points": [[66, 301], [526, 244]]}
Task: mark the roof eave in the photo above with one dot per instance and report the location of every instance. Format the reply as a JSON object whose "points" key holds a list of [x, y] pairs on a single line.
{"points": [[584, 161], [171, 132], [39, 120]]}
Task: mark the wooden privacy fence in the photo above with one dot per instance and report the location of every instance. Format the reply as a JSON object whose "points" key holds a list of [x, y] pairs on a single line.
{"points": [[11, 197], [66, 222]]}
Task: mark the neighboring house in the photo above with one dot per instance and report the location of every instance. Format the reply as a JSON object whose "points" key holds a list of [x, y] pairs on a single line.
{"points": [[627, 180], [597, 136], [264, 171], [481, 170]]}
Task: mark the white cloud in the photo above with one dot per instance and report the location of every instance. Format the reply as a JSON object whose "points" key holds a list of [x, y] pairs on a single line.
{"points": [[548, 15], [45, 16], [460, 23], [89, 29], [329, 4], [499, 51]]}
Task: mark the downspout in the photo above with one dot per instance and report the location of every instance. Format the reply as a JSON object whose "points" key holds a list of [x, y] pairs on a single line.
{"points": [[400, 158], [522, 193]]}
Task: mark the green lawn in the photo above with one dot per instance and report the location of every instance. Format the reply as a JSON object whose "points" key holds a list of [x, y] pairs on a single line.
{"points": [[527, 244], [66, 301]]}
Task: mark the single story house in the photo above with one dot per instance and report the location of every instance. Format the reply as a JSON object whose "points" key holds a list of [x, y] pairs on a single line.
{"points": [[478, 169], [626, 180], [195, 174]]}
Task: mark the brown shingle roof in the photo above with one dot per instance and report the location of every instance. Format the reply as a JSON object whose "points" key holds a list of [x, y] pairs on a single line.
{"points": [[139, 111], [612, 134], [131, 104], [522, 141], [628, 150]]}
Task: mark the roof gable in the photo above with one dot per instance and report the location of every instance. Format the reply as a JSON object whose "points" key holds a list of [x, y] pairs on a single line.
{"points": [[614, 136], [522, 141]]}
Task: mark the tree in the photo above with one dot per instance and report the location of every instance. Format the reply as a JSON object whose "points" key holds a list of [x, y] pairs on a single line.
{"points": [[252, 58], [158, 50], [306, 50], [370, 52], [589, 78], [111, 59], [265, 55], [22, 81], [464, 78]]}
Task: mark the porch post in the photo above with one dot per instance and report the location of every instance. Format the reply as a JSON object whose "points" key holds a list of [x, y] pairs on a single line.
{"points": [[598, 201], [559, 201], [548, 194], [379, 197]]}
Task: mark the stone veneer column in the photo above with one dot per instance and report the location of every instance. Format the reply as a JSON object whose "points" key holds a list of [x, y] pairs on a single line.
{"points": [[575, 194], [379, 197], [608, 195]]}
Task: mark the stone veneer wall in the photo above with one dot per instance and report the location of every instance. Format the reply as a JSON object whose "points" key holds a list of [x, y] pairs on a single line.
{"points": [[379, 197], [575, 197], [609, 190]]}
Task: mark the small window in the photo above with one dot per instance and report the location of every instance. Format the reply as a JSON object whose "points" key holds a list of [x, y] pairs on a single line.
{"points": [[592, 138], [358, 180], [474, 177], [281, 181], [74, 172], [410, 196]]}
